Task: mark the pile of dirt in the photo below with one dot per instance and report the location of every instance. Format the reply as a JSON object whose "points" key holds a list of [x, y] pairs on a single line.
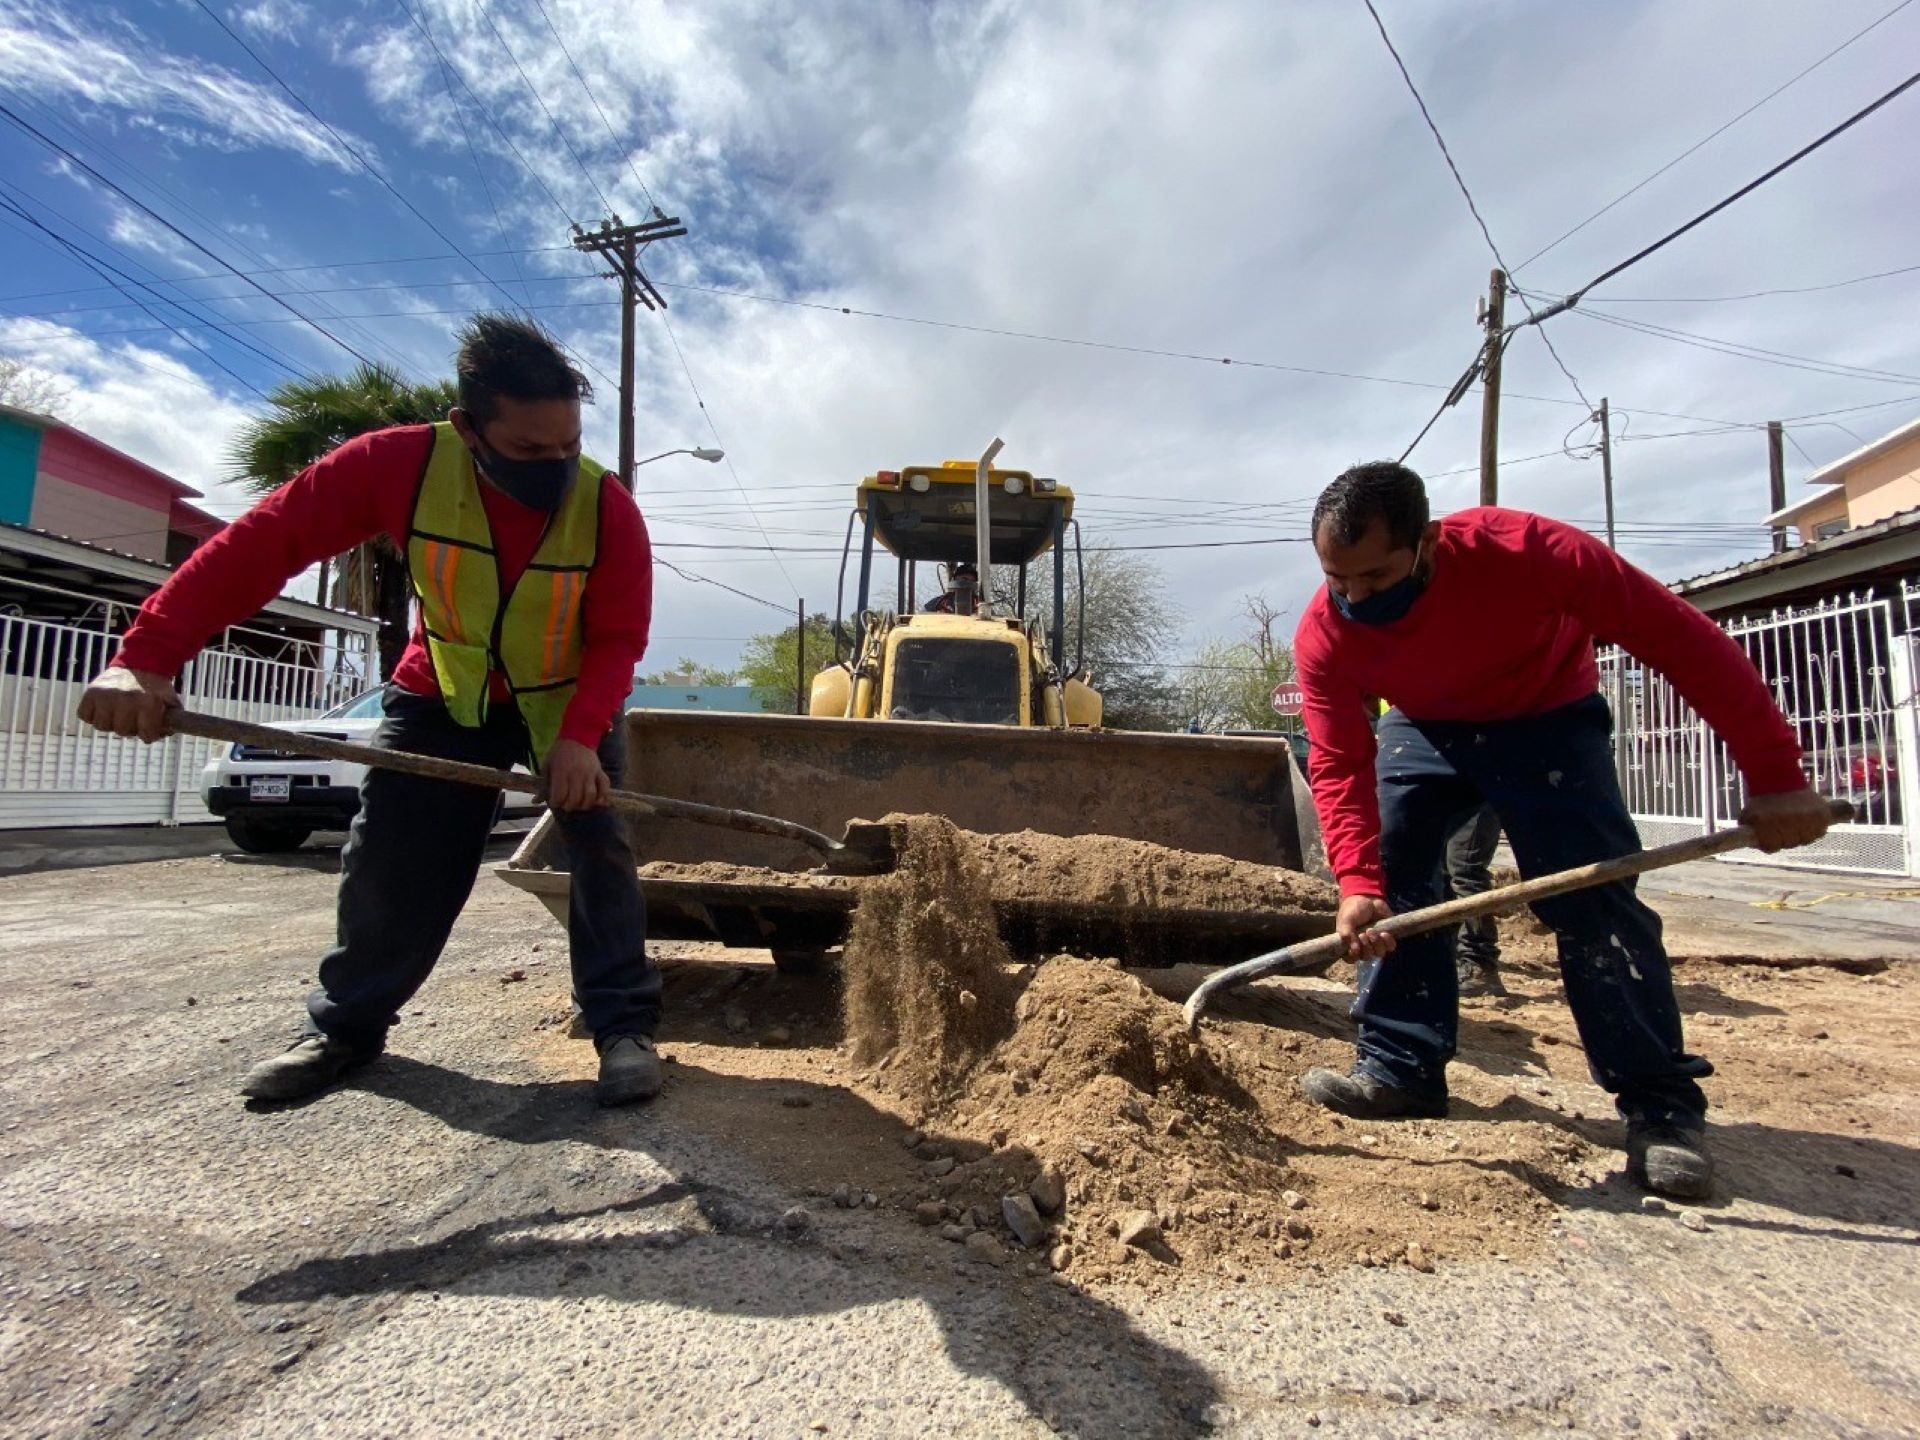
{"points": [[927, 988], [1108, 870], [1151, 1155]]}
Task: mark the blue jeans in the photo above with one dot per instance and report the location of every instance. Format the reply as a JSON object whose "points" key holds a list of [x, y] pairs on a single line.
{"points": [[1551, 780], [410, 863]]}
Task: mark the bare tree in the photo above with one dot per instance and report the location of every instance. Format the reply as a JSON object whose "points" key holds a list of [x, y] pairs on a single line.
{"points": [[1229, 684], [26, 387]]}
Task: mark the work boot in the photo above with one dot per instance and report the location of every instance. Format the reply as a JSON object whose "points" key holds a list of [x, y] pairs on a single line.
{"points": [[1477, 977], [629, 1071], [314, 1062], [1365, 1098], [1669, 1158]]}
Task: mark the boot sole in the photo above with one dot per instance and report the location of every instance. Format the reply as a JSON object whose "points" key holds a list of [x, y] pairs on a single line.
{"points": [[612, 1096]]}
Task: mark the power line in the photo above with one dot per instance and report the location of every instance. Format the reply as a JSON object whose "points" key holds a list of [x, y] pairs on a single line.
{"points": [[99, 265], [1460, 180], [487, 15], [537, 178], [1625, 194], [538, 5], [150, 213], [1753, 352], [725, 452], [1749, 295], [143, 181], [709, 580], [102, 268], [1575, 297], [350, 148]]}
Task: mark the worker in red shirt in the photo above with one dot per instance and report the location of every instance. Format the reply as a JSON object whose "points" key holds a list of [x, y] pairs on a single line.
{"points": [[533, 577], [1482, 628]]}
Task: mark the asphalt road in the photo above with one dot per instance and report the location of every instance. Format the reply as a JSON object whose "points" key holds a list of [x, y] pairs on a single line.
{"points": [[458, 1244]]}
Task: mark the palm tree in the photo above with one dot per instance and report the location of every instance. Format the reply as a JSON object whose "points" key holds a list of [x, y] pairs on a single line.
{"points": [[313, 415]]}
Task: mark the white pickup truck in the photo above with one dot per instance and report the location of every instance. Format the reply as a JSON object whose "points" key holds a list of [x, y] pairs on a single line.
{"points": [[272, 801]]}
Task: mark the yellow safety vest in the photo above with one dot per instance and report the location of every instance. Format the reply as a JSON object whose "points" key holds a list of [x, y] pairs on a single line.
{"points": [[534, 637]]}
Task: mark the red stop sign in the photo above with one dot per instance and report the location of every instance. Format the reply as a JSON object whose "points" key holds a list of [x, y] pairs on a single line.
{"points": [[1288, 699]]}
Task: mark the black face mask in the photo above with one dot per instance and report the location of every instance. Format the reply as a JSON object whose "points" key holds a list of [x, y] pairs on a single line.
{"points": [[537, 484]]}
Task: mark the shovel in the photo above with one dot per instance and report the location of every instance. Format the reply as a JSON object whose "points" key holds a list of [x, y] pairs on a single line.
{"points": [[867, 850], [1310, 954]]}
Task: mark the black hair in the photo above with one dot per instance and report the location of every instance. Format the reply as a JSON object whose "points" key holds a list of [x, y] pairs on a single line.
{"points": [[1382, 490], [506, 355]]}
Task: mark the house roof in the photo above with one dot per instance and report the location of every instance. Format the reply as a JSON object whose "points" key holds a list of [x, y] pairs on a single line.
{"points": [[1832, 474], [1788, 514], [178, 488], [29, 552], [1851, 556]]}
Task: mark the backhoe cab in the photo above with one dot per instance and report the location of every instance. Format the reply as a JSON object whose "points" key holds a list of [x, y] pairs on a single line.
{"points": [[972, 655]]}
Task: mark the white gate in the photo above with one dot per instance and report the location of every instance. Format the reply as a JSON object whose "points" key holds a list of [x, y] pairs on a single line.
{"points": [[1843, 677], [56, 771]]}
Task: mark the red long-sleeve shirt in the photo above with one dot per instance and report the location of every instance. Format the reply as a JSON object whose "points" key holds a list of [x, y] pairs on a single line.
{"points": [[365, 488], [1506, 628]]}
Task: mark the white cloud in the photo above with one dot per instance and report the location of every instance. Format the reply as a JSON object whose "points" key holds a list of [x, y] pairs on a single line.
{"points": [[1228, 178], [48, 53], [143, 400], [274, 19]]}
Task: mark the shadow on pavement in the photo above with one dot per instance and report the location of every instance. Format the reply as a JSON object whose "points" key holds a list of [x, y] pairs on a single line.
{"points": [[1853, 1179], [1050, 1343]]}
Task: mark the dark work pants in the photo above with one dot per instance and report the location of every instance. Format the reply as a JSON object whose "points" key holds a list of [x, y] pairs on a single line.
{"points": [[1550, 778], [1469, 863], [410, 863]]}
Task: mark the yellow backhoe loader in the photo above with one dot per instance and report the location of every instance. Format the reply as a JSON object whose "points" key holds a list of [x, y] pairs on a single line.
{"points": [[960, 707]]}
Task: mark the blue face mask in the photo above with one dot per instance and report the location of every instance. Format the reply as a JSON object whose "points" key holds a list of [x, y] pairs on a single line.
{"points": [[1383, 607]]}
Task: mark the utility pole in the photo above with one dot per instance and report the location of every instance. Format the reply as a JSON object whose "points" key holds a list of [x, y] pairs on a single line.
{"points": [[1606, 464], [1777, 479], [1496, 321], [619, 245], [800, 663]]}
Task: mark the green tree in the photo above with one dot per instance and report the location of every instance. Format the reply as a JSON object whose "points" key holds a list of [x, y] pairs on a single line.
{"points": [[313, 415], [689, 672], [770, 663], [1229, 684]]}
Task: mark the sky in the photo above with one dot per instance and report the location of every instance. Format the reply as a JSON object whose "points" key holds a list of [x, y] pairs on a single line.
{"points": [[918, 226]]}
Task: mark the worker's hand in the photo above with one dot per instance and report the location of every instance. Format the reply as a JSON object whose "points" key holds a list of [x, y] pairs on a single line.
{"points": [[574, 778], [1793, 817], [127, 702], [1354, 924]]}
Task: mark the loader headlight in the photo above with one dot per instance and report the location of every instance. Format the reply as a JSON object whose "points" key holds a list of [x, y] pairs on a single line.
{"points": [[920, 482], [1041, 486], [1013, 484]]}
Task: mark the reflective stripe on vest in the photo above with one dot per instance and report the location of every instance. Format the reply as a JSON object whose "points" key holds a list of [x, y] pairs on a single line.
{"points": [[534, 637]]}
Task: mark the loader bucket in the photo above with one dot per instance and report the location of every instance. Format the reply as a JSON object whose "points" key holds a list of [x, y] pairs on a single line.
{"points": [[1242, 797]]}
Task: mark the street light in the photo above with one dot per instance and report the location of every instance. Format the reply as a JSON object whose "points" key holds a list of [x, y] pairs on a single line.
{"points": [[702, 453]]}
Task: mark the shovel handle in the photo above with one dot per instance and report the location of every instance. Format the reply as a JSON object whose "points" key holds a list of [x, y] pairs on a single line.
{"points": [[1474, 907], [432, 767]]}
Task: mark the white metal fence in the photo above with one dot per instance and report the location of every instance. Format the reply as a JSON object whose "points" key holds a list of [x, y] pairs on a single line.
{"points": [[1843, 673], [56, 771]]}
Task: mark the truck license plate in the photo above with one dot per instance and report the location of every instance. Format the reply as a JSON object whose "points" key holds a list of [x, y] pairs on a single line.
{"points": [[270, 787]]}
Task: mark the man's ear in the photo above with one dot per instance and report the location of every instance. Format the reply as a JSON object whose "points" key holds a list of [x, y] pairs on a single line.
{"points": [[463, 426], [1430, 536]]}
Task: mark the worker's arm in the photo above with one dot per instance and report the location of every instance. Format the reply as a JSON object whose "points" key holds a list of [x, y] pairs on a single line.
{"points": [[1340, 768], [1627, 607], [363, 489]]}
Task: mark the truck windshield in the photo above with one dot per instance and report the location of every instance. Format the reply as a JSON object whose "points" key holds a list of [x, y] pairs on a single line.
{"points": [[963, 682]]}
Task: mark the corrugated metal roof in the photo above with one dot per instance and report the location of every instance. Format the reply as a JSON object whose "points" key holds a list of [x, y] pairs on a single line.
{"points": [[1800, 554]]}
